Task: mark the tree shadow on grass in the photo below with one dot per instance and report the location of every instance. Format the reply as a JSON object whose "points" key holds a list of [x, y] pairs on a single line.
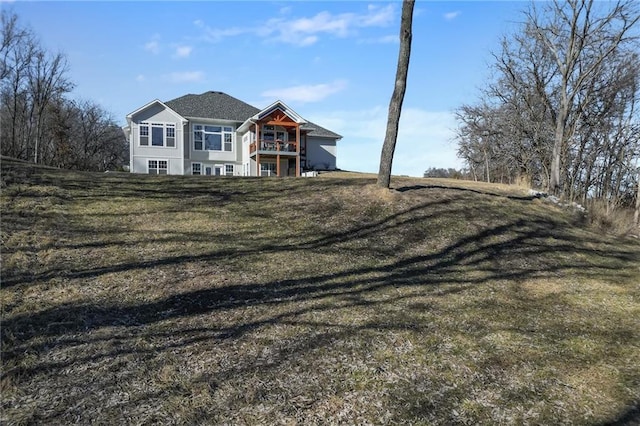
{"points": [[87, 335], [495, 252], [631, 417]]}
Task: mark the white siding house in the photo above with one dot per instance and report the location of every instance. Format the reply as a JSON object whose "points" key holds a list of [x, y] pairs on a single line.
{"points": [[216, 134]]}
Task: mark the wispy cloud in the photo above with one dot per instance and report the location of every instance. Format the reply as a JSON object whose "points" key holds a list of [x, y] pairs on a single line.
{"points": [[307, 92], [185, 77], [305, 31], [183, 51], [450, 16], [153, 45]]}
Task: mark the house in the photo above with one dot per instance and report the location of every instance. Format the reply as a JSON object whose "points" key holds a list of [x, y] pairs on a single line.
{"points": [[216, 134]]}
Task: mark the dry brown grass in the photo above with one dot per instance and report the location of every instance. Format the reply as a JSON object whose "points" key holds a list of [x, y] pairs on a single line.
{"points": [[176, 300]]}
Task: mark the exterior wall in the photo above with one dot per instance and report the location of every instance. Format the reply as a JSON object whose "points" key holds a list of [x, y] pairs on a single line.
{"points": [[140, 155], [186, 141], [141, 163], [321, 153], [248, 165]]}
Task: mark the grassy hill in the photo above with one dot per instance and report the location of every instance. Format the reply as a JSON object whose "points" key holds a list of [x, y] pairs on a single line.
{"points": [[131, 299]]}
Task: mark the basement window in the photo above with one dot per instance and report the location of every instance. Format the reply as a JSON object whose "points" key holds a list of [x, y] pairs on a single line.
{"points": [[158, 167]]}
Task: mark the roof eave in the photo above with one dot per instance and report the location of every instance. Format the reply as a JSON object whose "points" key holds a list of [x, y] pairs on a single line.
{"points": [[155, 101]]}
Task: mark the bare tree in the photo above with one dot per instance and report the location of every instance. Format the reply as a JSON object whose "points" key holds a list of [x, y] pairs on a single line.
{"points": [[579, 40], [37, 122], [523, 106], [47, 82], [395, 106], [636, 215]]}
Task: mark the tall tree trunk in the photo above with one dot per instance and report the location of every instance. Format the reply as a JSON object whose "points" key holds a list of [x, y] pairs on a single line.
{"points": [[555, 186], [395, 106], [636, 215]]}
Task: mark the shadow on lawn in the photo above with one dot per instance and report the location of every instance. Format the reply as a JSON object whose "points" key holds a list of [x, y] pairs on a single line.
{"points": [[475, 191], [492, 253], [495, 252]]}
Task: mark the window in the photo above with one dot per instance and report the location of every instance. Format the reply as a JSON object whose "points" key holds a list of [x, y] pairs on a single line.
{"points": [[158, 167], [267, 169], [162, 134], [227, 142], [196, 169], [212, 138], [157, 135], [144, 134], [228, 169], [170, 136]]}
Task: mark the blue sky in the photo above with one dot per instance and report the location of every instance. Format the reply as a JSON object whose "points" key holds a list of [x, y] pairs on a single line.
{"points": [[332, 62]]}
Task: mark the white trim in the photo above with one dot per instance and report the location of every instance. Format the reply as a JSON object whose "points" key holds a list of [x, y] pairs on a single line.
{"points": [[158, 124], [199, 164], [166, 160], [276, 105], [284, 108], [223, 132], [156, 101]]}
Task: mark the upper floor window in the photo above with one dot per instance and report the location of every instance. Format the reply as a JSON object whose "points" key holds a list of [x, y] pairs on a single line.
{"points": [[212, 138], [161, 134]]}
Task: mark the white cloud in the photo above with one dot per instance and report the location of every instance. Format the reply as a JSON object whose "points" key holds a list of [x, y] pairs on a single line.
{"points": [[306, 31], [183, 51], [424, 139], [153, 45], [214, 35], [450, 16], [185, 77], [307, 92]]}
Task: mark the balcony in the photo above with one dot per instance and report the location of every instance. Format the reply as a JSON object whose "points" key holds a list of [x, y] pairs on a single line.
{"points": [[271, 147]]}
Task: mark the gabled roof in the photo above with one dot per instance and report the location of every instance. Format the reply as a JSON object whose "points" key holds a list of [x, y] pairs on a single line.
{"points": [[159, 102], [282, 107], [219, 105], [214, 105]]}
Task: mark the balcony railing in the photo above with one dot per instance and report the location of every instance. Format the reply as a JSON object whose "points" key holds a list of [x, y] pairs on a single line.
{"points": [[274, 147]]}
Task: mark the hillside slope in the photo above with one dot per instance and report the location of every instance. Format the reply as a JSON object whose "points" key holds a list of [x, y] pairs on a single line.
{"points": [[132, 299]]}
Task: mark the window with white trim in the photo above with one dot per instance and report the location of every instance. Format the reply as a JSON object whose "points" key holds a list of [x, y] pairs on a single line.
{"points": [[144, 134], [158, 167], [212, 138], [196, 168], [228, 169], [161, 134]]}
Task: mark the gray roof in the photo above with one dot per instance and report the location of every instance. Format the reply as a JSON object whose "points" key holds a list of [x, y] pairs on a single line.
{"points": [[215, 105], [219, 105], [319, 131]]}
